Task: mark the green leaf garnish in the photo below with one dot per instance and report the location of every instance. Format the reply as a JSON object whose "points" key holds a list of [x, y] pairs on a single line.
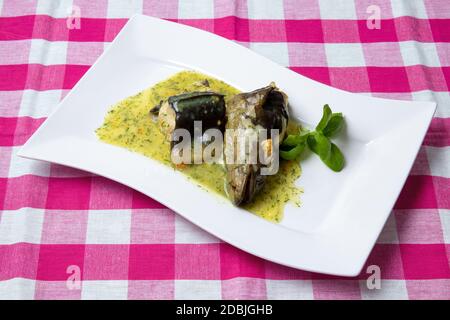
{"points": [[317, 141]]}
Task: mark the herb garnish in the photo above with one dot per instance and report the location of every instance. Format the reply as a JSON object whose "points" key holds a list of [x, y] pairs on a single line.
{"points": [[318, 141]]}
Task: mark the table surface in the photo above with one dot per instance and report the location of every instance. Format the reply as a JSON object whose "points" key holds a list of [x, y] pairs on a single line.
{"points": [[58, 224]]}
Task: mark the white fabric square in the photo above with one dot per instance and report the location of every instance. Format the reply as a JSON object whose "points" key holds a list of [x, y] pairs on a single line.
{"points": [[390, 290], [389, 232], [415, 53], [337, 10], [439, 161], [441, 98], [199, 9], [344, 55], [20, 166], [187, 232], [17, 289], [39, 104], [412, 8], [124, 9], [108, 227], [198, 289], [56, 9], [48, 52], [289, 289], [445, 222], [265, 9], [22, 225], [277, 52], [104, 290]]}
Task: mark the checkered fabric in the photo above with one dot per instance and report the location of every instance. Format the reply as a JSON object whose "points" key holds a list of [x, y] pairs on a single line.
{"points": [[57, 222]]}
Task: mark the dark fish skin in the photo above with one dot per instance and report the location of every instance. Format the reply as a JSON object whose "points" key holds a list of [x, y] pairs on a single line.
{"points": [[265, 108]]}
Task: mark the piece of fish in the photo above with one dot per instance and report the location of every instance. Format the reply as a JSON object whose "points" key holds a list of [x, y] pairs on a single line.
{"points": [[265, 108], [182, 110]]}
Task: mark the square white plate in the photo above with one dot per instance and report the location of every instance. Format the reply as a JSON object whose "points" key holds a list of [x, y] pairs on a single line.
{"points": [[342, 213]]}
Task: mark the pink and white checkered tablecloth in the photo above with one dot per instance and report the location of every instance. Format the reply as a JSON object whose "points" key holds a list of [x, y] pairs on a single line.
{"points": [[56, 221]]}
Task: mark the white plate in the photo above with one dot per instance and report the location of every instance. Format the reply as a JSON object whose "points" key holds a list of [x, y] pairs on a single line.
{"points": [[342, 213]]}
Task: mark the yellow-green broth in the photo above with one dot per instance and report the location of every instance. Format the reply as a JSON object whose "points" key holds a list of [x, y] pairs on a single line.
{"points": [[129, 125]]}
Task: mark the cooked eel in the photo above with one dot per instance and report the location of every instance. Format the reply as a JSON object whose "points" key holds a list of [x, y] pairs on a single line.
{"points": [[264, 108]]}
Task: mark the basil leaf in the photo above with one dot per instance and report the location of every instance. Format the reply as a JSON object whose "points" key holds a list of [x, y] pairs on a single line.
{"points": [[294, 139], [294, 153], [335, 161], [334, 124], [325, 118], [319, 144]]}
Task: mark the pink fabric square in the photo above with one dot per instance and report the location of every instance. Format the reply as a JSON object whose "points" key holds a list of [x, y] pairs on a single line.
{"points": [[152, 226], [106, 262], [383, 54], [42, 77], [425, 261], [25, 127], [237, 263], [49, 28], [409, 28], [152, 261], [5, 159], [278, 272], [306, 54], [72, 74], [14, 77], [436, 289], [18, 260], [426, 78], [340, 31], [386, 33], [68, 193], [446, 72], [64, 226], [442, 187], [303, 31], [16, 52], [418, 193], [225, 8], [437, 9], [3, 184], [92, 9], [34, 197], [10, 105], [197, 261], [60, 171], [392, 79], [161, 9], [108, 194], [421, 165], [362, 6], [84, 53], [150, 289], [440, 29], [419, 226], [354, 79], [443, 50], [336, 289], [13, 8], [320, 74], [267, 30], [16, 28], [232, 28], [244, 289], [388, 258], [301, 9], [437, 134], [141, 201], [406, 96], [7, 129], [55, 259], [204, 24], [113, 27], [55, 290]]}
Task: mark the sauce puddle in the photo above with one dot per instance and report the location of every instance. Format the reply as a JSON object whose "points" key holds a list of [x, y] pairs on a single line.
{"points": [[128, 124]]}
